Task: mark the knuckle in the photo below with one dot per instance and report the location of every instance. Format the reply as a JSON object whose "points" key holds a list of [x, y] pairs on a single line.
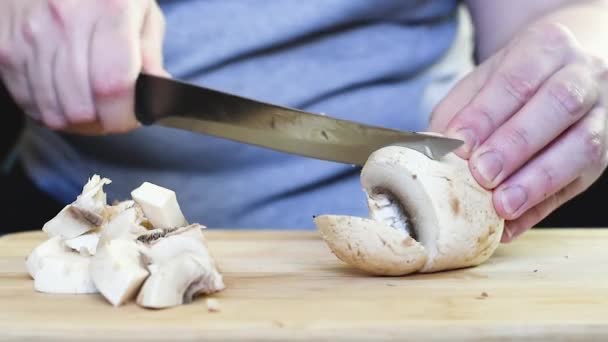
{"points": [[482, 118], [555, 37], [518, 138], [517, 85], [113, 84], [567, 96], [58, 9], [593, 148]]}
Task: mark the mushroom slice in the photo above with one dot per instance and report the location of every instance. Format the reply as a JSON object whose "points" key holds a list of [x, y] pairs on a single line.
{"points": [[57, 269], [159, 205], [52, 246], [86, 213], [371, 245], [118, 270], [84, 244], [436, 202], [125, 224], [180, 267], [169, 282]]}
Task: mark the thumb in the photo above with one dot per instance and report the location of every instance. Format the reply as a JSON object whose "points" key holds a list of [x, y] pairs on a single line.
{"points": [[152, 38]]}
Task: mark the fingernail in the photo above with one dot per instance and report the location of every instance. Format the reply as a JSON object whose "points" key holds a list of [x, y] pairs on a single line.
{"points": [[468, 136], [489, 165], [513, 198]]}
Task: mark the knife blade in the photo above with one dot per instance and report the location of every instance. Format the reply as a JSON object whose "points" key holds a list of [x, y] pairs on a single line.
{"points": [[177, 104]]}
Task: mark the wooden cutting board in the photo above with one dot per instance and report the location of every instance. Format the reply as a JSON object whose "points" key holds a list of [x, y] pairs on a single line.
{"points": [[549, 285]]}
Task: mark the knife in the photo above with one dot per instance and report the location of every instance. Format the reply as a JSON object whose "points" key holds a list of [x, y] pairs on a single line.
{"points": [[178, 104]]}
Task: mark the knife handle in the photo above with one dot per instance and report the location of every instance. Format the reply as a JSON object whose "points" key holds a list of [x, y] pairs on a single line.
{"points": [[153, 99]]}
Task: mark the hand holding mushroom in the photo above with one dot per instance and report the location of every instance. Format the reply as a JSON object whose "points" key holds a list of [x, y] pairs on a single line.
{"points": [[533, 117]]}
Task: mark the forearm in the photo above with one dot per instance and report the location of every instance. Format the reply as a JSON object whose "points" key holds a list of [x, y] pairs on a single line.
{"points": [[496, 22]]}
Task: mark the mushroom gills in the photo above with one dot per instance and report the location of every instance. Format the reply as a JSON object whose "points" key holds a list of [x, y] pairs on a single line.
{"points": [[386, 208], [180, 266]]}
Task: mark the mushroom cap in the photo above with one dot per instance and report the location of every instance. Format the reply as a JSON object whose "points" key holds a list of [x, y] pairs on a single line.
{"points": [[370, 245], [449, 214]]}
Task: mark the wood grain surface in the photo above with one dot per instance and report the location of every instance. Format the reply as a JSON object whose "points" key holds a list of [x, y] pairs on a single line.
{"points": [[548, 285]]}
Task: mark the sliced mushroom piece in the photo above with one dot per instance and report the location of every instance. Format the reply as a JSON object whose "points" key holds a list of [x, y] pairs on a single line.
{"points": [[437, 203], [52, 246], [118, 270], [370, 245], [180, 266], [57, 269], [126, 224], [86, 213], [169, 282], [159, 205], [84, 244]]}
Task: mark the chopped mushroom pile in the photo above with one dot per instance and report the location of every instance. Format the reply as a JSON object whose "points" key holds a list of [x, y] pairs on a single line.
{"points": [[425, 216], [142, 249]]}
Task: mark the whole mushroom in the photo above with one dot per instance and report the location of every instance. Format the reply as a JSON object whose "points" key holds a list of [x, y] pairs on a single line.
{"points": [[425, 216]]}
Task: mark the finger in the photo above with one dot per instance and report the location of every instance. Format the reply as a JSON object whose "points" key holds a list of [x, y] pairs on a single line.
{"points": [[71, 75], [152, 42], [461, 94], [41, 34], [514, 229], [113, 71], [525, 67], [88, 128], [561, 101], [580, 149], [13, 62]]}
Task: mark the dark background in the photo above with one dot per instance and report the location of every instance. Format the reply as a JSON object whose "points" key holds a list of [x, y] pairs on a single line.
{"points": [[25, 208]]}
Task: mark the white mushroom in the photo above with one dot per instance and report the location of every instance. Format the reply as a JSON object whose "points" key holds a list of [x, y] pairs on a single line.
{"points": [[125, 223], [425, 216], [84, 244], [118, 270], [159, 205], [57, 269], [86, 213], [180, 268]]}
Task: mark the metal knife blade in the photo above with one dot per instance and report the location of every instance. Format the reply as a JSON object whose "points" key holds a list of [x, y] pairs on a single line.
{"points": [[186, 106]]}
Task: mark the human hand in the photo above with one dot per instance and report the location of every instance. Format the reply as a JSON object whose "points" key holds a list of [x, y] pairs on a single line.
{"points": [[533, 118], [72, 65]]}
